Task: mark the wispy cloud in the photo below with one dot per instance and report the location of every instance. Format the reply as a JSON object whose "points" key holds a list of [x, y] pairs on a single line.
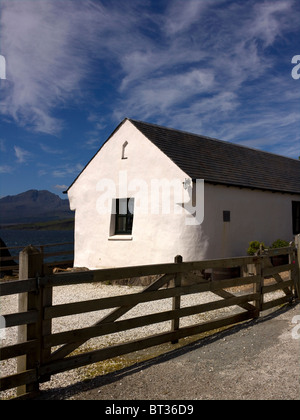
{"points": [[46, 45], [94, 138], [182, 14], [50, 150], [6, 169], [63, 171], [21, 154], [51, 48], [271, 19], [233, 48], [60, 187], [191, 64]]}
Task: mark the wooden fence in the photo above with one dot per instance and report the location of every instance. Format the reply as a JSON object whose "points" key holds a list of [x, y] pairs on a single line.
{"points": [[37, 353], [54, 257]]}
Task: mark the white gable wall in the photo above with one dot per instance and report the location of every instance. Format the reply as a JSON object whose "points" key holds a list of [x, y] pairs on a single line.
{"points": [[156, 238]]}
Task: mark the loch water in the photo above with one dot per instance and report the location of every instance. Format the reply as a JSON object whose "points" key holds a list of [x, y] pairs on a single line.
{"points": [[22, 238]]}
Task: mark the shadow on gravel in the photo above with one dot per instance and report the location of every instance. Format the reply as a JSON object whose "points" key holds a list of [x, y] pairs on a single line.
{"points": [[99, 381]]}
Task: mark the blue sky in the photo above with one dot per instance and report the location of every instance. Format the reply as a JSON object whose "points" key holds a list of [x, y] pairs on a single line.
{"points": [[76, 68]]}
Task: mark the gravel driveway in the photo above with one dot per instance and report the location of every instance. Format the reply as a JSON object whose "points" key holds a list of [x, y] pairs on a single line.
{"points": [[258, 360]]}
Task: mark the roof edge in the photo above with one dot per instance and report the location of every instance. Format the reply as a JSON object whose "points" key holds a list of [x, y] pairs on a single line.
{"points": [[250, 187], [115, 130], [211, 138]]}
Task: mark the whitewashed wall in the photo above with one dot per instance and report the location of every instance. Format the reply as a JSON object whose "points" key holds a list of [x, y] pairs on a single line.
{"points": [[255, 215], [158, 238]]}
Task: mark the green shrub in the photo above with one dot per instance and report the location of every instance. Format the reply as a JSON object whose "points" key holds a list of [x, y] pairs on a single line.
{"points": [[254, 247], [279, 243]]}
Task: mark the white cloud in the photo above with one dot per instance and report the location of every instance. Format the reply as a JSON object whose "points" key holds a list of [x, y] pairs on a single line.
{"points": [[163, 93], [50, 150], [182, 14], [187, 65], [51, 48], [21, 154], [46, 45], [42, 172], [270, 20], [94, 138], [6, 169], [60, 187], [2, 67], [227, 43], [67, 169]]}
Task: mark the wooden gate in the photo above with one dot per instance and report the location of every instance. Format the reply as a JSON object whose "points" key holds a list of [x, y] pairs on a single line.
{"points": [[36, 351]]}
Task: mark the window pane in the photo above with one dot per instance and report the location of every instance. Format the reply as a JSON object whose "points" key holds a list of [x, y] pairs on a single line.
{"points": [[121, 224], [129, 223], [124, 216], [226, 216], [122, 206], [131, 205]]}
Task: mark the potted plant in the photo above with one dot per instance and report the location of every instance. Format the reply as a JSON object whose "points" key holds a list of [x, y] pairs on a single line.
{"points": [[279, 243], [279, 259]]}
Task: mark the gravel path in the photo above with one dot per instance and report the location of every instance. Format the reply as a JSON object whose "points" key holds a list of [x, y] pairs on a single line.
{"points": [[65, 385], [258, 360]]}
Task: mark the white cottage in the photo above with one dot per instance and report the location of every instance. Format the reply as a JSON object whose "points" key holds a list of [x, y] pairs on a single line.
{"points": [[151, 193]]}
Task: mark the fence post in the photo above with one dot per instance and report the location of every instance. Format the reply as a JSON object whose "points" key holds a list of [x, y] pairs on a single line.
{"points": [[176, 299], [30, 266], [258, 261]]}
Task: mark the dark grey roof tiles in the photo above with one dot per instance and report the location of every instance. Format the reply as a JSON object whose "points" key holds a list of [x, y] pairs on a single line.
{"points": [[222, 162]]}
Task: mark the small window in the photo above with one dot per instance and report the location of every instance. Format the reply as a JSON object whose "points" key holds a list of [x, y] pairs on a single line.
{"points": [[226, 216], [296, 217], [124, 216], [123, 150]]}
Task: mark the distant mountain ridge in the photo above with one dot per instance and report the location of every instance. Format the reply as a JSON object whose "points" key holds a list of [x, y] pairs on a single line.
{"points": [[33, 206]]}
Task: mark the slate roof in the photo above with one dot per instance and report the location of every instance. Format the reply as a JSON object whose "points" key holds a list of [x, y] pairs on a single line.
{"points": [[221, 162]]}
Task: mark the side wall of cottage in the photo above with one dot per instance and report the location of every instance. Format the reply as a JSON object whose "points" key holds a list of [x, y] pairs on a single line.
{"points": [[254, 215]]}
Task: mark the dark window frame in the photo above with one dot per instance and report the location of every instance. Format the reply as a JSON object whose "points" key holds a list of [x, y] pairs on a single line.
{"points": [[226, 215], [296, 217], [124, 217]]}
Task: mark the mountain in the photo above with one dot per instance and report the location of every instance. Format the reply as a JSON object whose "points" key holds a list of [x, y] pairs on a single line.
{"points": [[33, 206]]}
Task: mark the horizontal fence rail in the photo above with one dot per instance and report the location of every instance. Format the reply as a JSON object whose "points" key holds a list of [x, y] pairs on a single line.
{"points": [[39, 355], [10, 263]]}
